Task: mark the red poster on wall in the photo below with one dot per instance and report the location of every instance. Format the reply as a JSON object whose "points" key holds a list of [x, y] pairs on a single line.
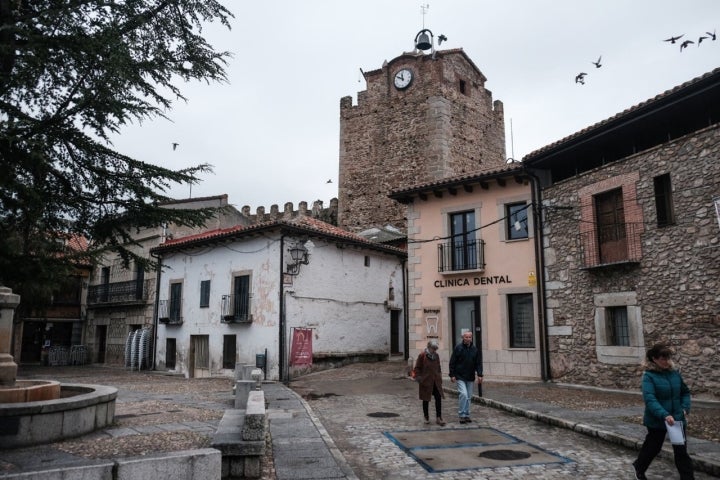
{"points": [[301, 347]]}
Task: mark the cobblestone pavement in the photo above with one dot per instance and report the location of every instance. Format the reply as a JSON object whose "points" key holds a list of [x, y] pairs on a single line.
{"points": [[343, 398], [163, 413], [154, 413]]}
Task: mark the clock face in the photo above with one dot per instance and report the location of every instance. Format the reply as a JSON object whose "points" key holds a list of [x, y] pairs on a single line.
{"points": [[403, 78]]}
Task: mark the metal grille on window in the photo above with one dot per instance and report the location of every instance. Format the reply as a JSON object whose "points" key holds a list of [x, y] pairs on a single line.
{"points": [[522, 333], [617, 325]]}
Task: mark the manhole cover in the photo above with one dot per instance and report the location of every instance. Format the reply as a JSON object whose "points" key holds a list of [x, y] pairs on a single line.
{"points": [[504, 455], [382, 414]]}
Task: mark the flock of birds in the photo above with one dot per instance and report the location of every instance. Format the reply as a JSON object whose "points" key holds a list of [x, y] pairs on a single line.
{"points": [[712, 36]]}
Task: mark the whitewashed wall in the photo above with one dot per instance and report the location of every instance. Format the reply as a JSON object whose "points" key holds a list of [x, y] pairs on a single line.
{"points": [[345, 303], [219, 264]]}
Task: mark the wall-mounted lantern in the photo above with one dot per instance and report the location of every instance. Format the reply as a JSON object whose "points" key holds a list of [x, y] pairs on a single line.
{"points": [[299, 256]]}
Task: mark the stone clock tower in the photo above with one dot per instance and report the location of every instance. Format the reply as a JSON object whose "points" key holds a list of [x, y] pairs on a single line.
{"points": [[423, 118]]}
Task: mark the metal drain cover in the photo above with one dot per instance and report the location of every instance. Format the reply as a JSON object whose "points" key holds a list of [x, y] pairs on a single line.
{"points": [[507, 455], [382, 414]]}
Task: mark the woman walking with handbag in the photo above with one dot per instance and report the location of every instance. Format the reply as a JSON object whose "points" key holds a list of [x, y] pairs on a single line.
{"points": [[429, 377]]}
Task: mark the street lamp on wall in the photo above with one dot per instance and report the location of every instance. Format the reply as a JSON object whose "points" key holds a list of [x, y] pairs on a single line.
{"points": [[299, 256]]}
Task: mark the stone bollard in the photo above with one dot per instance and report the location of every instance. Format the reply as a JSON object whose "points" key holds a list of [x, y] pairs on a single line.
{"points": [[242, 390]]}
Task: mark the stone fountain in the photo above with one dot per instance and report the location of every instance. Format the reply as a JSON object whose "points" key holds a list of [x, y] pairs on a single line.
{"points": [[42, 411]]}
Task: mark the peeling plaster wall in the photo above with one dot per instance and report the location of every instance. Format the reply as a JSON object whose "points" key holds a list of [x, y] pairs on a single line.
{"points": [[220, 264], [346, 303]]}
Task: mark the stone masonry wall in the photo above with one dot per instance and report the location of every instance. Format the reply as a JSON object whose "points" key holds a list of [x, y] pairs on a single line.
{"points": [[396, 138], [327, 215], [676, 282]]}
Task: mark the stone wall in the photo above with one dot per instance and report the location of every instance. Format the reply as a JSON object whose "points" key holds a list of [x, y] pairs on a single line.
{"points": [[444, 124], [675, 283], [327, 215]]}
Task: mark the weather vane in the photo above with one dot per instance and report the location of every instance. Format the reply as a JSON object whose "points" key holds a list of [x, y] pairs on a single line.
{"points": [[424, 7]]}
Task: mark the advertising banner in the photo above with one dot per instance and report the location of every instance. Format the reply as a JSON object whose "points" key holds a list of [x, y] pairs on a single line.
{"points": [[301, 347]]}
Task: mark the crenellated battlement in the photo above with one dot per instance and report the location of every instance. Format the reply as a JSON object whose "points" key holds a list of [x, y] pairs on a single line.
{"points": [[326, 214]]}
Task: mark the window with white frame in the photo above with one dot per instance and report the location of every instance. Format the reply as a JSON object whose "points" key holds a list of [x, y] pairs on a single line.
{"points": [[462, 251], [516, 221]]}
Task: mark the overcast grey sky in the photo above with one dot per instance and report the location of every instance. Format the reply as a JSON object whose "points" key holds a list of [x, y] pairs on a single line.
{"points": [[272, 132]]}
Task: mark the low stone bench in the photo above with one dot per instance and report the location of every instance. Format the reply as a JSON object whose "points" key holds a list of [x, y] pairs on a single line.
{"points": [[240, 437]]}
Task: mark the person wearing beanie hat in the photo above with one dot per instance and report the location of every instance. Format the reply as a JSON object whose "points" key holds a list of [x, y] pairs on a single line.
{"points": [[428, 374]]}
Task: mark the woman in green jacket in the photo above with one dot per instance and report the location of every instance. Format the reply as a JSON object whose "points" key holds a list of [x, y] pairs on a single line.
{"points": [[667, 401]]}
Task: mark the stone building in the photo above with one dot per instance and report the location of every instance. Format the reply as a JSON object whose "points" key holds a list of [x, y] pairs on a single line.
{"points": [[422, 118], [121, 299], [631, 241]]}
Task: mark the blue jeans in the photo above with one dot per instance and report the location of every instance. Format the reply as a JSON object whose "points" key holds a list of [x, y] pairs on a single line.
{"points": [[465, 392]]}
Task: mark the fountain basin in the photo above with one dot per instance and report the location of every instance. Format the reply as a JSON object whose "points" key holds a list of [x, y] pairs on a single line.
{"points": [[81, 409], [30, 391]]}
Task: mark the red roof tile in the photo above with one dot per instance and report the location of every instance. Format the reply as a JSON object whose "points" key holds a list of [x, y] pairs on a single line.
{"points": [[303, 224]]}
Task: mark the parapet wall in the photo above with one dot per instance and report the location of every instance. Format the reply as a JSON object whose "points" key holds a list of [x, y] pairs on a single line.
{"points": [[328, 215]]}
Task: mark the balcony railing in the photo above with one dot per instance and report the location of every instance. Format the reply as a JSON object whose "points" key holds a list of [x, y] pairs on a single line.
{"points": [[612, 245], [132, 291], [169, 312], [455, 256], [236, 309]]}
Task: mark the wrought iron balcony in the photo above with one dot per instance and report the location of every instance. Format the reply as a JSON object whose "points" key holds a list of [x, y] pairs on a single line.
{"points": [[133, 291], [459, 255], [236, 309], [611, 245], [169, 312]]}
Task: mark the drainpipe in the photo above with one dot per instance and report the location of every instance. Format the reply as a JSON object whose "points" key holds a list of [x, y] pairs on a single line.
{"points": [[281, 321], [406, 314], [156, 307], [540, 275]]}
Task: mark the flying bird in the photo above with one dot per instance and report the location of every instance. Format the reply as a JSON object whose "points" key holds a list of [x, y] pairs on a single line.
{"points": [[580, 78], [598, 64], [329, 180], [701, 39], [175, 145], [441, 38], [674, 39], [713, 37], [685, 44]]}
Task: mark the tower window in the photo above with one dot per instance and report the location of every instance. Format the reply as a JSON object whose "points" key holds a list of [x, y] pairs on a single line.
{"points": [[463, 87]]}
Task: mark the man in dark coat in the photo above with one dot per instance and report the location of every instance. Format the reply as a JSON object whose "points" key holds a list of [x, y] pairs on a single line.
{"points": [[465, 364]]}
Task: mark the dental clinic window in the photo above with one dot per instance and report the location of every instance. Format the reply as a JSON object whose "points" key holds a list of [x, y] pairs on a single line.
{"points": [[516, 221], [520, 312], [463, 243]]}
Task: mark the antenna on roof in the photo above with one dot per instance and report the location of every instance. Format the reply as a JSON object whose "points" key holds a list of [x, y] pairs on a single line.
{"points": [[424, 7], [512, 141]]}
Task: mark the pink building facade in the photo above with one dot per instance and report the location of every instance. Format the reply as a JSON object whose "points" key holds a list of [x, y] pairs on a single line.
{"points": [[472, 266]]}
